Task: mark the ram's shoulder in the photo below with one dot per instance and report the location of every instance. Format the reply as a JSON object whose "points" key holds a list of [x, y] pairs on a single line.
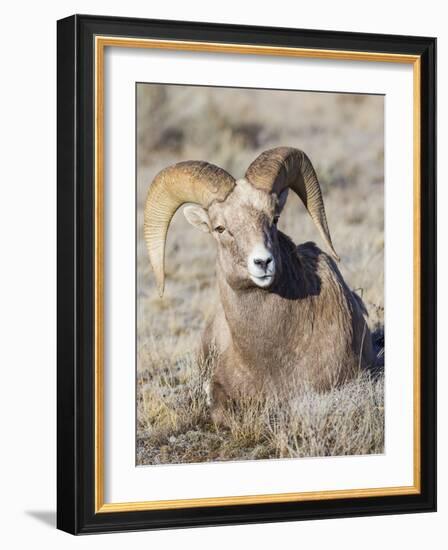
{"points": [[311, 255], [314, 259], [309, 250]]}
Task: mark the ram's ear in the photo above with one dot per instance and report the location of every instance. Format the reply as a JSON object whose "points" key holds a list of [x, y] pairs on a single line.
{"points": [[282, 199], [198, 217]]}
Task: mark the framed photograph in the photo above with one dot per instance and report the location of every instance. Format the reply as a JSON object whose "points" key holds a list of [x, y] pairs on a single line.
{"points": [[246, 274]]}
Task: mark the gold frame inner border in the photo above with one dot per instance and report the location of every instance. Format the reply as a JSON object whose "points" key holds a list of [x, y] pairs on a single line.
{"points": [[101, 42]]}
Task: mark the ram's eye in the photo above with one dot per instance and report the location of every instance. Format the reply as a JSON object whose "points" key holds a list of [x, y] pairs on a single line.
{"points": [[220, 229], [276, 219]]}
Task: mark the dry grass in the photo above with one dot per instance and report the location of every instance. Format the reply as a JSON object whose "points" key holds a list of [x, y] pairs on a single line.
{"points": [[343, 135], [174, 423]]}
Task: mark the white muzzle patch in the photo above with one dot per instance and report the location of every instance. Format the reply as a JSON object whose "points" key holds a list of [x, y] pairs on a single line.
{"points": [[261, 266]]}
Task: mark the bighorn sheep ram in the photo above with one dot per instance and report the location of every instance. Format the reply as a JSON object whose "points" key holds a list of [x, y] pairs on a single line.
{"points": [[285, 314]]}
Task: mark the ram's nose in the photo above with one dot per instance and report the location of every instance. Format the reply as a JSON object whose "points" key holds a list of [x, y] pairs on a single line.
{"points": [[263, 262], [261, 266], [260, 262]]}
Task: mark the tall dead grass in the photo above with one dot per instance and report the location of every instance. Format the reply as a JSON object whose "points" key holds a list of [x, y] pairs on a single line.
{"points": [[175, 425]]}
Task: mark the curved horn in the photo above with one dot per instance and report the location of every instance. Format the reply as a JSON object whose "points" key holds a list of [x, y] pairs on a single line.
{"points": [[282, 167], [191, 181]]}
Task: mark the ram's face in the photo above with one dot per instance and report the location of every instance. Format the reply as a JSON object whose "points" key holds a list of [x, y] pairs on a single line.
{"points": [[245, 228]]}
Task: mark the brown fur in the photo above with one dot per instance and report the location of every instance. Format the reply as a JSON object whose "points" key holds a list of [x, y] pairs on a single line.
{"points": [[305, 328]]}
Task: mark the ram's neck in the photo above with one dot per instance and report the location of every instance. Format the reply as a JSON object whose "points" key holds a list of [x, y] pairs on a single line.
{"points": [[260, 320]]}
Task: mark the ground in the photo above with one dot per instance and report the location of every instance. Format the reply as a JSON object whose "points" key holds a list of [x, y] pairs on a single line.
{"points": [[343, 135]]}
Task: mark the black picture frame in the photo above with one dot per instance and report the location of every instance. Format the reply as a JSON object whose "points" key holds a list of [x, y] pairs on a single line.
{"points": [[76, 271]]}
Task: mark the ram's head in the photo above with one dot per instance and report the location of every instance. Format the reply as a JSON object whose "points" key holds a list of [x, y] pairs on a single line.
{"points": [[241, 215]]}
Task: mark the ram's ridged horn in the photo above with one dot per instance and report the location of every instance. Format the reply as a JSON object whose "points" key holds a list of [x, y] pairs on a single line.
{"points": [[192, 181], [282, 167]]}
